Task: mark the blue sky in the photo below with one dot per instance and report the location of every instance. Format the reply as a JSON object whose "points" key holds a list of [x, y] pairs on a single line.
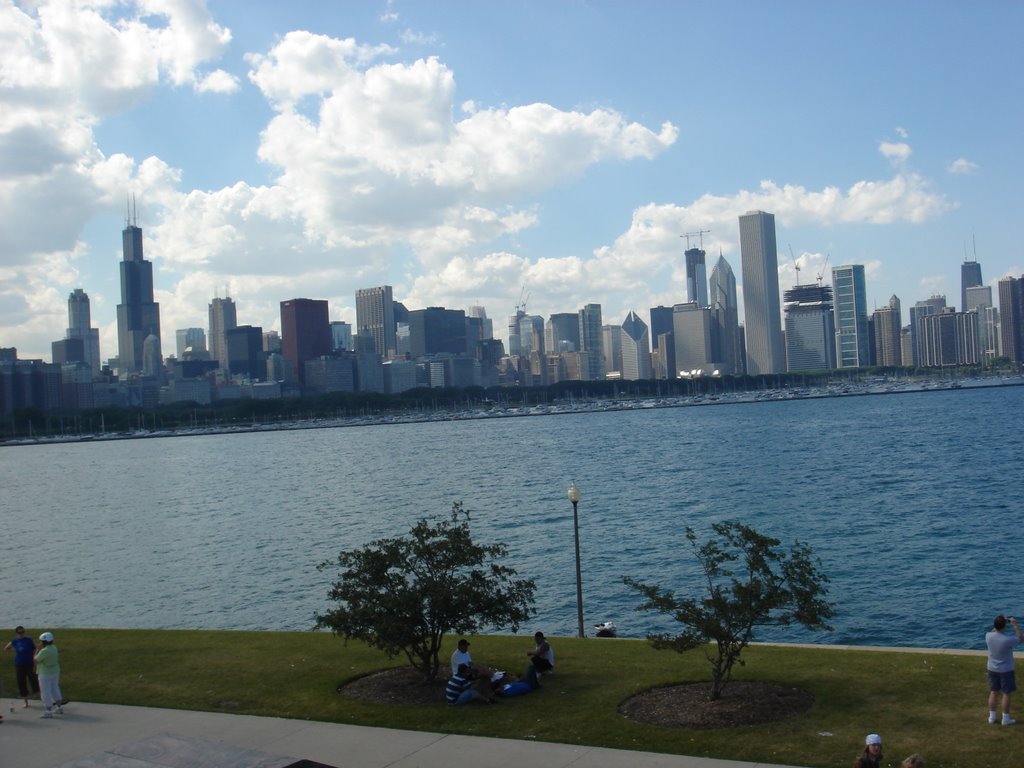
{"points": [[461, 150]]}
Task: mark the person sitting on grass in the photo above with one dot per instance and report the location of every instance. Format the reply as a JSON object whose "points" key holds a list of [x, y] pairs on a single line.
{"points": [[542, 659], [458, 690], [872, 755]]}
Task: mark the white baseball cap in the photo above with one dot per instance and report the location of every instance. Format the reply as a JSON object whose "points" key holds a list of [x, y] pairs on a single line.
{"points": [[46, 637]]}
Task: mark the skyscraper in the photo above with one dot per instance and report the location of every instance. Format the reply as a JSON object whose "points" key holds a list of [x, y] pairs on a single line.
{"points": [[636, 345], [851, 314], [970, 276], [222, 319], [592, 341], [763, 317], [922, 309], [888, 326], [810, 328], [138, 316], [305, 333], [191, 341], [696, 277], [79, 327], [663, 343], [722, 298], [1011, 318], [375, 312]]}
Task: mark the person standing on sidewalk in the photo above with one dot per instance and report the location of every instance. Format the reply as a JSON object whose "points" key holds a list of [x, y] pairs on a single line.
{"points": [[48, 668], [24, 649], [1001, 678]]}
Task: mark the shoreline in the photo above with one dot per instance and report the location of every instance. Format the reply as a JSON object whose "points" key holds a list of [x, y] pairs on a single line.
{"points": [[561, 408]]}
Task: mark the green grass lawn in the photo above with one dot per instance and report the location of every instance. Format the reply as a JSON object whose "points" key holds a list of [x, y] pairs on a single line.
{"points": [[928, 703]]}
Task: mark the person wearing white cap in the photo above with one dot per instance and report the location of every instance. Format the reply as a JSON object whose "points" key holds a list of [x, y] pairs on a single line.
{"points": [[872, 755], [48, 668]]}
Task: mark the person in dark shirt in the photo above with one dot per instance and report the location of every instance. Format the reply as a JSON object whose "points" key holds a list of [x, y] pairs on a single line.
{"points": [[24, 649]]}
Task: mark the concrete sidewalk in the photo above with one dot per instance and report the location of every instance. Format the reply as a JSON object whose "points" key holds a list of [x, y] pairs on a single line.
{"points": [[113, 736]]}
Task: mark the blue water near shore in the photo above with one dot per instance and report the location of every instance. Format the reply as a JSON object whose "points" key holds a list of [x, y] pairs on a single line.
{"points": [[911, 501]]}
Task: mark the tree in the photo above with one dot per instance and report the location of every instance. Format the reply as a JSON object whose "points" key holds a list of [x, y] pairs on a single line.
{"points": [[767, 588], [404, 594]]}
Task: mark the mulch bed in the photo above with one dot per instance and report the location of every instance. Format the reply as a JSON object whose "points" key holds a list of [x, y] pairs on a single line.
{"points": [[741, 703], [676, 706]]}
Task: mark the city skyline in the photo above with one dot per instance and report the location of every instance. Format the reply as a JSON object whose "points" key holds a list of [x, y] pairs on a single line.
{"points": [[432, 148]]}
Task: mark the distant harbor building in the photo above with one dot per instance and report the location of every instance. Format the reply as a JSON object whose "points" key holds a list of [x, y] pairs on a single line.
{"points": [[850, 305], [888, 328], [1011, 318], [921, 309], [562, 333], [696, 276], [949, 338], [271, 341], [696, 337], [190, 341], [486, 324], [138, 316], [760, 266], [810, 328], [223, 318], [437, 330], [722, 297], [246, 358], [592, 341], [970, 277], [979, 301], [611, 340], [80, 327], [635, 349], [68, 351], [375, 312], [341, 336], [663, 343], [305, 333]]}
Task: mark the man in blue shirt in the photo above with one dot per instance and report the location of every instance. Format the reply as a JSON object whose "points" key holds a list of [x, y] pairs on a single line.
{"points": [[24, 649]]}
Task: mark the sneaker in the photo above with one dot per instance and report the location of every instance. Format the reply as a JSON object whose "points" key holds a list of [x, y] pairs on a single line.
{"points": [[1009, 721], [59, 710], [46, 715]]}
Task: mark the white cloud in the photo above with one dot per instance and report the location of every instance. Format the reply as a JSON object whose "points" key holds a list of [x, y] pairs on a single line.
{"points": [[962, 166], [901, 132], [896, 151], [217, 81], [933, 284]]}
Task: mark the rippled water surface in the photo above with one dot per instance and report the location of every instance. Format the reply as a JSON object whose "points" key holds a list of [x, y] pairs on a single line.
{"points": [[911, 501]]}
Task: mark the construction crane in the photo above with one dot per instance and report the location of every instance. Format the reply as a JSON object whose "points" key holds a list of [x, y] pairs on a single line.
{"points": [[823, 268], [699, 233], [521, 304], [796, 264]]}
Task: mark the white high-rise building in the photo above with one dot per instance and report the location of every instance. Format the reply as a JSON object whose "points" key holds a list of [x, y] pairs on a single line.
{"points": [[636, 343], [762, 313]]}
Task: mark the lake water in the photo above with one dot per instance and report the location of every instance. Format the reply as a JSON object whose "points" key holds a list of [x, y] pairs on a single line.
{"points": [[911, 501]]}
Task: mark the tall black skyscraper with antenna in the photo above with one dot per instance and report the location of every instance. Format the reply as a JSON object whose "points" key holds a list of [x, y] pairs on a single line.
{"points": [[138, 316]]}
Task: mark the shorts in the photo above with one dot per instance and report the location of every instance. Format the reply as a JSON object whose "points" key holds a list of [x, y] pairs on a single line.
{"points": [[1005, 682]]}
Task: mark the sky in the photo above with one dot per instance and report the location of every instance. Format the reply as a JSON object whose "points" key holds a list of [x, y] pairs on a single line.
{"points": [[551, 153]]}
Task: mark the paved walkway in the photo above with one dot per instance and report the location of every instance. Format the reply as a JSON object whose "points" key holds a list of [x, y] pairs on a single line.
{"points": [[113, 736]]}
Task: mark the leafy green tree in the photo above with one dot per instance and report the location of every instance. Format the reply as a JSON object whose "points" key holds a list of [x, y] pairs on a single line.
{"points": [[749, 582], [404, 594]]}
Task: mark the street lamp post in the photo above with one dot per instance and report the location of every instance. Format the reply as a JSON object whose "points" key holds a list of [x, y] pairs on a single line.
{"points": [[574, 497]]}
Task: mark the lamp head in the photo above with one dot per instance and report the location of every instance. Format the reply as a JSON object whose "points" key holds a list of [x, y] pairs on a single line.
{"points": [[574, 492]]}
